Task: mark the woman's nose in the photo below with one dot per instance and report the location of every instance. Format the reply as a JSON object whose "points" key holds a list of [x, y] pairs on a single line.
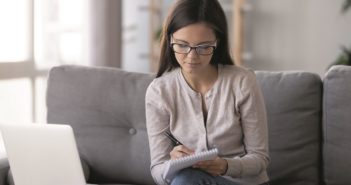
{"points": [[192, 54]]}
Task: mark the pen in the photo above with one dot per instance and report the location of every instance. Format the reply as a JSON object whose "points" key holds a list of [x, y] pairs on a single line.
{"points": [[172, 138]]}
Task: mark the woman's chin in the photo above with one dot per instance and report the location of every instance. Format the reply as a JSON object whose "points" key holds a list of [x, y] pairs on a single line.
{"points": [[191, 68]]}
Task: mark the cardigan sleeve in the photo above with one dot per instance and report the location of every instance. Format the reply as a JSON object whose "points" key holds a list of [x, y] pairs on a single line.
{"points": [[255, 133], [157, 121]]}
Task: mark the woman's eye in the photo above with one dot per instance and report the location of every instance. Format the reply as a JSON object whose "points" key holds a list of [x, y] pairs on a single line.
{"points": [[183, 46], [204, 47]]}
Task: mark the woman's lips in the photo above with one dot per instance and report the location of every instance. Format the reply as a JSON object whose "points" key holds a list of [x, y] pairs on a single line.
{"points": [[193, 64]]}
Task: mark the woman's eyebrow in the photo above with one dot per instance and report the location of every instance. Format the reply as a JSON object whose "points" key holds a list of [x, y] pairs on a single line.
{"points": [[179, 40]]}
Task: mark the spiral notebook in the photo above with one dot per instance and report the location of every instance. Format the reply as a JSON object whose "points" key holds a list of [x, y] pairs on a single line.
{"points": [[173, 166]]}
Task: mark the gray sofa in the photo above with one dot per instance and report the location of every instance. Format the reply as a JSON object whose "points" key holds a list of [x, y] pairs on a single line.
{"points": [[309, 123]]}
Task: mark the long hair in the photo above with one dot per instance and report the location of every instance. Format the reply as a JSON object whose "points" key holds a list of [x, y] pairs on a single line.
{"points": [[186, 12]]}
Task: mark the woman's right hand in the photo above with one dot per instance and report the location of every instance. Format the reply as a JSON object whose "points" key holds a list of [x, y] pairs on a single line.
{"points": [[180, 151]]}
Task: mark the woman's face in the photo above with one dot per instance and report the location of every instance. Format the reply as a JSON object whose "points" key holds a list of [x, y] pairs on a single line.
{"points": [[197, 35]]}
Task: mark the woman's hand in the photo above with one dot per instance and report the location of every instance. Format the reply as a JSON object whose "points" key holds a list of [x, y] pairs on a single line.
{"points": [[180, 151], [214, 167]]}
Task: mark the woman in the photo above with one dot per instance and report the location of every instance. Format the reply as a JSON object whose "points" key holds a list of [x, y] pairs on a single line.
{"points": [[204, 101]]}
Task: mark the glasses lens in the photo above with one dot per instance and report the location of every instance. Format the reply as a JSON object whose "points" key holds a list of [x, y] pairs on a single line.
{"points": [[204, 50], [181, 48]]}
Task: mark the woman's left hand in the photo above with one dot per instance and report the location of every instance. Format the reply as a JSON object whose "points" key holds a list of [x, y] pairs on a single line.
{"points": [[214, 167]]}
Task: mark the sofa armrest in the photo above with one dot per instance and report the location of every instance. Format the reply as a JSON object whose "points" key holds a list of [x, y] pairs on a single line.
{"points": [[4, 169]]}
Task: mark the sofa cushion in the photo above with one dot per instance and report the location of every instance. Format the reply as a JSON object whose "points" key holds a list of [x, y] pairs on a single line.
{"points": [[105, 107], [337, 125], [293, 101]]}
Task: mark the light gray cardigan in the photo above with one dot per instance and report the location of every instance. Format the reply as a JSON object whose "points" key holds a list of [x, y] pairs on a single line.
{"points": [[236, 122]]}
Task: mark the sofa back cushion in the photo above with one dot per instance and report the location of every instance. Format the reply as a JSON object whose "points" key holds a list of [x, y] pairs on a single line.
{"points": [[337, 126], [293, 102], [105, 107]]}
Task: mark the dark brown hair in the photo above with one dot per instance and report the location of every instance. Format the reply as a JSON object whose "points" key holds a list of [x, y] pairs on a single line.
{"points": [[186, 12]]}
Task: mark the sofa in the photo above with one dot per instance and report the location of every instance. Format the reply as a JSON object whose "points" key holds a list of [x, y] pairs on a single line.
{"points": [[309, 121]]}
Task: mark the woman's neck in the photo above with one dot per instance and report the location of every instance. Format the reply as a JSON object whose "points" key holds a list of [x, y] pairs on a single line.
{"points": [[202, 81]]}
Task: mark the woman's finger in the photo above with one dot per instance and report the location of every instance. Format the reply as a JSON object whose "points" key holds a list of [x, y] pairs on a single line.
{"points": [[184, 149], [214, 167], [180, 151]]}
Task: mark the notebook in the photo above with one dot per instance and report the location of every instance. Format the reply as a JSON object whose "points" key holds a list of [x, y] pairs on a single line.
{"points": [[42, 154], [173, 166]]}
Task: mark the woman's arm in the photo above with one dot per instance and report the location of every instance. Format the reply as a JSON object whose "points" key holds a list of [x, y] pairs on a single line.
{"points": [[255, 133], [157, 122]]}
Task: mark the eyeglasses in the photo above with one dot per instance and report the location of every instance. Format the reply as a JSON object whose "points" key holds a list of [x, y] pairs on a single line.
{"points": [[204, 49]]}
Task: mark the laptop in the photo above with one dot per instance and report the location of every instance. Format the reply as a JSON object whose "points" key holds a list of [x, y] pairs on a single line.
{"points": [[42, 154]]}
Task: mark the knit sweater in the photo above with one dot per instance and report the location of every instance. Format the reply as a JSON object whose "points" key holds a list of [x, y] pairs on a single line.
{"points": [[236, 122]]}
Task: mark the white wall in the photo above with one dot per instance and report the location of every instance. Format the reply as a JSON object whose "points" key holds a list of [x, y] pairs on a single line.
{"points": [[296, 34], [135, 36]]}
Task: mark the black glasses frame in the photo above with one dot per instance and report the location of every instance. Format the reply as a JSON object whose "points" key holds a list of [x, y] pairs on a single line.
{"points": [[195, 48]]}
